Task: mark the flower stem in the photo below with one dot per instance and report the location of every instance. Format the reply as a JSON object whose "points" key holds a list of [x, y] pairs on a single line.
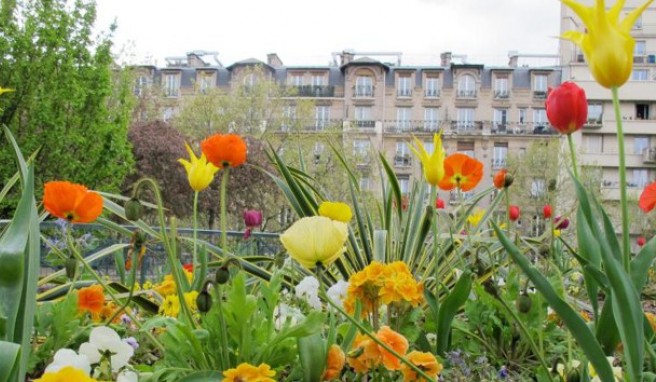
{"points": [[626, 244], [431, 204], [572, 152], [195, 250]]}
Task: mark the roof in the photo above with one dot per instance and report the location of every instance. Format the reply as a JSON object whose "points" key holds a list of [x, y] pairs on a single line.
{"points": [[365, 61]]}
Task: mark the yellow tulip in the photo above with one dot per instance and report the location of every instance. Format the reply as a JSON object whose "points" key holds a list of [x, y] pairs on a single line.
{"points": [[200, 172], [476, 217], [433, 164], [336, 210], [315, 240], [607, 44]]}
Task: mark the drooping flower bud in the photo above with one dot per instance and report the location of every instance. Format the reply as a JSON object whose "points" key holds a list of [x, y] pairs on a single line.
{"points": [[524, 303], [71, 267], [222, 275], [204, 301], [133, 209]]}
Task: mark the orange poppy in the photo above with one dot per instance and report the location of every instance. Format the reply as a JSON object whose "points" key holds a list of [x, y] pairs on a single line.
{"points": [[334, 363], [425, 361], [224, 150], [91, 299], [500, 178], [395, 341], [647, 200], [461, 171], [73, 202]]}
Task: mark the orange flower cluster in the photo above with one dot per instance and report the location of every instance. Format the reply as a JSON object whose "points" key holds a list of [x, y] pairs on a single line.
{"points": [[366, 353], [383, 283], [91, 299], [425, 361], [334, 363]]}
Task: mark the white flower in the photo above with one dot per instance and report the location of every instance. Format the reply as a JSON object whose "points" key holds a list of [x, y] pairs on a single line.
{"points": [[127, 376], [68, 357], [501, 282], [105, 340], [284, 314], [308, 289], [337, 292]]}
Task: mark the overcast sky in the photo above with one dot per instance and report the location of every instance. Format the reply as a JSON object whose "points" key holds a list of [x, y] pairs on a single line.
{"points": [[307, 32]]}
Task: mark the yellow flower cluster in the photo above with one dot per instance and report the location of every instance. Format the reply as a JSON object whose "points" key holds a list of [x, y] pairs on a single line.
{"points": [[383, 283], [167, 286], [171, 305], [66, 374], [247, 372]]}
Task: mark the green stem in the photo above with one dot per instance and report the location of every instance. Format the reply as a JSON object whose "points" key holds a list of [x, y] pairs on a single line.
{"points": [[626, 244], [432, 205], [507, 199], [225, 358], [195, 235], [224, 215], [572, 152]]}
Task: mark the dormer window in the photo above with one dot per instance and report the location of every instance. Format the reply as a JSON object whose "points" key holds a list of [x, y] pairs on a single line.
{"points": [[467, 86]]}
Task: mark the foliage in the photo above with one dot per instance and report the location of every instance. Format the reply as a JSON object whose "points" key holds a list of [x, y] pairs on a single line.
{"points": [[69, 101]]}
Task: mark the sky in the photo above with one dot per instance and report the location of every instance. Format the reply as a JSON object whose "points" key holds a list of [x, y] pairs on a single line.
{"points": [[307, 32]]}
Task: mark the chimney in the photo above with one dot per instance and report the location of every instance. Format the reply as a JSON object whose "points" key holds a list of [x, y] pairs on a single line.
{"points": [[274, 60], [445, 58], [194, 60], [513, 58], [347, 56]]}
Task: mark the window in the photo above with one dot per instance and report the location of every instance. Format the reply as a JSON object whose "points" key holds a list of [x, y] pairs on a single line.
{"points": [[640, 75], [593, 144], [321, 116], [500, 120], [168, 114], [431, 118], [538, 188], [432, 87], [640, 178], [361, 150], [205, 82], [363, 116], [640, 144], [467, 86], [296, 80], [539, 119], [317, 80], [638, 23], [522, 116], [403, 118], [640, 48], [501, 87], [404, 183], [364, 86], [140, 85], [171, 85], [404, 87], [540, 84], [250, 80], [364, 183], [595, 111], [499, 155], [402, 154], [289, 116], [465, 119], [642, 111], [466, 147]]}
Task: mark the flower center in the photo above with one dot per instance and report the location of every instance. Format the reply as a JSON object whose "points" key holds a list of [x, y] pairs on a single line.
{"points": [[225, 164]]}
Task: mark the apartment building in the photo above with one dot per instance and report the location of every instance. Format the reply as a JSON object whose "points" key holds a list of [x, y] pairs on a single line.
{"points": [[377, 104], [598, 139]]}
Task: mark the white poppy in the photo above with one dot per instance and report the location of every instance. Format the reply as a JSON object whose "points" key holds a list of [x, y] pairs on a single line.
{"points": [[68, 357], [103, 340]]}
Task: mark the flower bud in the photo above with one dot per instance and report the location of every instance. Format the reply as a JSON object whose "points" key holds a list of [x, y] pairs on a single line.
{"points": [[71, 267], [573, 376], [513, 213], [524, 303], [547, 211], [133, 209], [204, 301], [641, 241], [508, 180], [222, 275], [439, 203]]}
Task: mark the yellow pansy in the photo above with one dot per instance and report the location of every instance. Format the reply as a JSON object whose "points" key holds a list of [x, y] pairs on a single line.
{"points": [[248, 372], [336, 210], [200, 172], [607, 43], [171, 306], [66, 374], [433, 164], [315, 240]]}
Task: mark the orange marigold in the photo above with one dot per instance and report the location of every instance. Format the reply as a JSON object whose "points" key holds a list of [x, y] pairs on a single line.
{"points": [[73, 202], [246, 372], [91, 299], [334, 363], [394, 340], [364, 354], [425, 361], [224, 150], [461, 171]]}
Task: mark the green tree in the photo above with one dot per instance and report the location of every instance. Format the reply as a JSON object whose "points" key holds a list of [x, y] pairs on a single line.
{"points": [[70, 100]]}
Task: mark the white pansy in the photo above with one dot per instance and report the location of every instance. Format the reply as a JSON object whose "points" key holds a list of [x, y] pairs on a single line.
{"points": [[127, 376], [68, 357], [105, 340], [284, 314], [337, 292], [308, 289]]}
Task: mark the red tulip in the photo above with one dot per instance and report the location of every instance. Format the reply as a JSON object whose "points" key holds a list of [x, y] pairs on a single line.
{"points": [[641, 241], [647, 200], [561, 222], [567, 107], [513, 213], [439, 203], [546, 211]]}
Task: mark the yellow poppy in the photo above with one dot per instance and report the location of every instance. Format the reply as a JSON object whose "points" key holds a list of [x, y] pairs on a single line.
{"points": [[200, 172], [66, 374], [433, 164], [315, 240], [336, 210], [607, 43]]}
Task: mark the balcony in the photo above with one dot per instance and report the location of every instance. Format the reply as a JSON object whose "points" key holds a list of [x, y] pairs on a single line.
{"points": [[593, 124], [539, 94], [404, 93], [499, 128], [649, 156], [363, 91], [365, 124], [402, 159], [501, 94], [315, 91], [467, 127], [464, 93], [644, 59], [405, 126], [464, 196], [431, 93]]}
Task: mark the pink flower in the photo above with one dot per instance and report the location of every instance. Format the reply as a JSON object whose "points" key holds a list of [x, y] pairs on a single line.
{"points": [[252, 219]]}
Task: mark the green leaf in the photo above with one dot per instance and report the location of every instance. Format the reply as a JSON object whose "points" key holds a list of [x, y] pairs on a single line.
{"points": [[312, 353], [202, 376], [641, 264], [449, 308], [9, 361]]}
